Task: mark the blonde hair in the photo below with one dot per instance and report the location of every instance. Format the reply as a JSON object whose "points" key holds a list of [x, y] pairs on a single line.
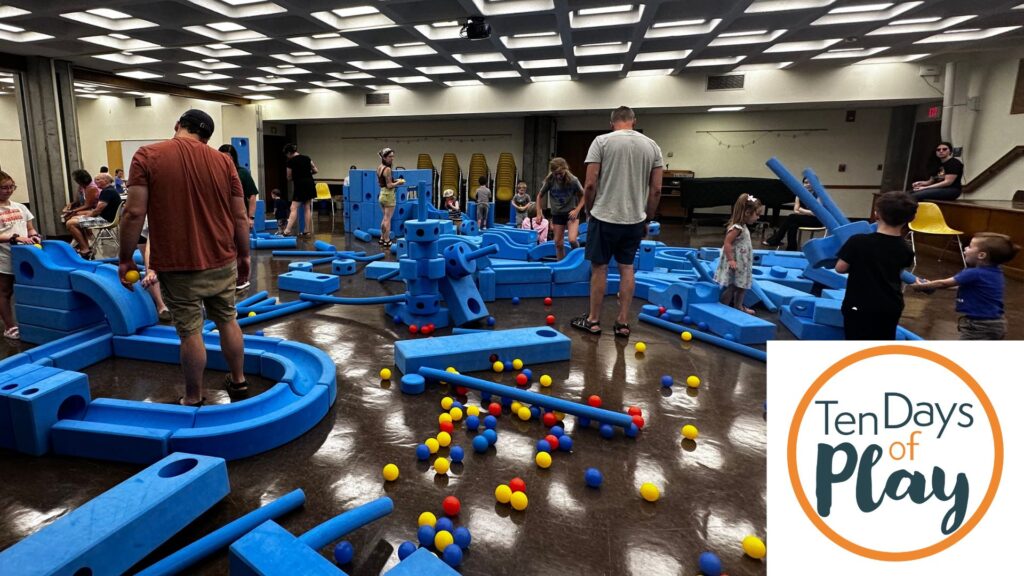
{"points": [[745, 205], [558, 163]]}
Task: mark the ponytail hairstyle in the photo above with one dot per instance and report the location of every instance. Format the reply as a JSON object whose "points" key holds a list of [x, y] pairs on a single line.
{"points": [[558, 163], [745, 205]]}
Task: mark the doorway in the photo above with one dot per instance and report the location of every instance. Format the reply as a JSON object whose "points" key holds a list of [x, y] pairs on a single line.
{"points": [[923, 162], [573, 145], [274, 173]]}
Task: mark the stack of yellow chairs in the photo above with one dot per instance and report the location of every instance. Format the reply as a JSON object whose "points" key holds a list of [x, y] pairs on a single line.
{"points": [[450, 173], [477, 168], [505, 177], [424, 162]]}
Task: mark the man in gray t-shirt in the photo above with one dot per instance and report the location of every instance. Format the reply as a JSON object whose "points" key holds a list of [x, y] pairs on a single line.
{"points": [[483, 198], [622, 191]]}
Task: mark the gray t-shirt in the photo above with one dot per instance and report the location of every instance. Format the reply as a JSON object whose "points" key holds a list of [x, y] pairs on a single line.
{"points": [[560, 197], [627, 159], [483, 195]]}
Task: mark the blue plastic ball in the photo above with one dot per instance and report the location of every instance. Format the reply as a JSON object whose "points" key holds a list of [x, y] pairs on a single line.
{"points": [[491, 436], [453, 555], [543, 446], [457, 404], [664, 316], [515, 299], [728, 336], [702, 325], [462, 537], [583, 422], [666, 381], [480, 444], [709, 564], [344, 552], [396, 319], [536, 412], [425, 535], [593, 477], [490, 320], [444, 524], [485, 399], [457, 454], [405, 549], [565, 443], [632, 430], [490, 422], [422, 452], [506, 402], [557, 431], [528, 373], [472, 423], [687, 320], [607, 431]]}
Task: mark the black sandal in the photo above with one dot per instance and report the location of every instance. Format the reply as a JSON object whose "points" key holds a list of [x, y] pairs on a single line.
{"points": [[584, 323], [235, 388], [200, 404], [621, 330]]}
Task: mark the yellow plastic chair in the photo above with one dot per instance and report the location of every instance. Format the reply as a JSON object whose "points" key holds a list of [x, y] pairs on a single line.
{"points": [[106, 233], [323, 194], [929, 220]]}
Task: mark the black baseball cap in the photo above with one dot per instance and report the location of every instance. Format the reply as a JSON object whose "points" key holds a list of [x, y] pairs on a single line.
{"points": [[198, 120]]}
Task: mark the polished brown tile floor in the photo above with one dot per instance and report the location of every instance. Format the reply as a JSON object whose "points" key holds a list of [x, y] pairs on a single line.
{"points": [[713, 490]]}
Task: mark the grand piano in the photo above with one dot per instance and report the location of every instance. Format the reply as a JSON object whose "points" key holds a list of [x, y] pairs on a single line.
{"points": [[713, 192]]}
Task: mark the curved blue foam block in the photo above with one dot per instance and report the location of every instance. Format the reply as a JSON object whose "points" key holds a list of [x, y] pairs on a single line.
{"points": [[705, 337], [507, 248], [110, 533], [546, 250], [126, 310], [573, 268], [34, 267], [342, 524]]}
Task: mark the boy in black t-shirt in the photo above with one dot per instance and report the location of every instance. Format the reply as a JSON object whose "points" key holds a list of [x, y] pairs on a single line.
{"points": [[874, 291]]}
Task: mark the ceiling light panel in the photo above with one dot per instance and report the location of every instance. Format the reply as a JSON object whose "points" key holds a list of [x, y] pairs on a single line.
{"points": [[457, 83], [894, 59], [304, 58], [726, 108], [410, 80], [551, 78], [754, 37], [271, 79], [545, 63], [260, 97], [350, 75], [498, 74], [498, 8], [261, 88], [374, 64], [762, 67], [240, 8], [126, 58], [314, 90], [916, 28], [436, 31], [619, 15], [966, 35], [354, 18], [811, 45], [217, 51], [864, 13], [331, 41], [120, 42], [728, 61], [109, 20], [138, 74], [213, 65], [850, 53], [479, 57], [437, 70], [643, 73], [684, 28], [599, 68], [11, 11], [765, 6], [532, 40], [284, 70], [226, 32], [208, 87], [331, 83], [662, 56], [601, 48], [205, 75], [411, 49]]}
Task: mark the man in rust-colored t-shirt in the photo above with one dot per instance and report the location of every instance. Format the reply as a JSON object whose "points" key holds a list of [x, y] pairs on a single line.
{"points": [[199, 235]]}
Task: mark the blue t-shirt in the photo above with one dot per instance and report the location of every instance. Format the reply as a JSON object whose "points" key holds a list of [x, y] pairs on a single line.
{"points": [[980, 295]]}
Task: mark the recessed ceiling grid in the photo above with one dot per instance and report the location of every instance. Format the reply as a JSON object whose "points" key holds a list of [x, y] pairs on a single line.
{"points": [[276, 48]]}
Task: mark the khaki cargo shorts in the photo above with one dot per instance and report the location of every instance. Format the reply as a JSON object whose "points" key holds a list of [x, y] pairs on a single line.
{"points": [[185, 294]]}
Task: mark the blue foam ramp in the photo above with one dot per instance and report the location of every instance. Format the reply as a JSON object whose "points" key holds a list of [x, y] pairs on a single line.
{"points": [[270, 550], [113, 531], [780, 294], [721, 319], [506, 247], [34, 267], [101, 441], [126, 310], [807, 329], [828, 312], [59, 298], [573, 268], [422, 562], [547, 250], [465, 304], [827, 277], [57, 319], [308, 282], [468, 352], [516, 235], [36, 408], [705, 337]]}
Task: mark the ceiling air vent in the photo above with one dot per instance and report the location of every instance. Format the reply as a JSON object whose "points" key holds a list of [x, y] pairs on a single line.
{"points": [[378, 98], [143, 102], [730, 82]]}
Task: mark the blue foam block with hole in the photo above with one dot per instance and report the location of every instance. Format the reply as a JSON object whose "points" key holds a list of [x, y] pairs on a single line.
{"points": [[427, 230], [808, 329], [102, 441], [343, 266], [682, 295], [59, 298], [645, 255], [418, 250], [827, 277], [524, 274], [547, 250], [57, 319], [36, 408], [820, 310], [721, 319], [127, 311], [34, 267], [516, 235], [375, 270], [83, 349], [507, 248], [300, 267], [570, 290], [113, 531], [270, 550], [465, 304], [487, 283], [422, 562], [468, 352], [308, 282], [11, 381], [541, 290], [780, 294]]}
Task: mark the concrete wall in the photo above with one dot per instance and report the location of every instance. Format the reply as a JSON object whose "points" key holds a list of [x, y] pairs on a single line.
{"points": [[12, 153]]}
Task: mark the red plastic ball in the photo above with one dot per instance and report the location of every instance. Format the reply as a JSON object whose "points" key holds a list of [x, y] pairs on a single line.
{"points": [[548, 301], [517, 485], [493, 358], [549, 419], [427, 330], [661, 310], [634, 411], [447, 427], [413, 329], [639, 421], [553, 440], [550, 319], [461, 390], [594, 401], [522, 380], [451, 506], [494, 409]]}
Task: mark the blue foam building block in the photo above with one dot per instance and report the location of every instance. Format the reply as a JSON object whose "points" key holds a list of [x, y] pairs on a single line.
{"points": [[59, 298], [343, 266], [780, 294], [487, 283], [57, 319], [270, 550], [273, 243], [827, 277], [539, 290], [40, 334], [427, 230], [375, 270], [524, 274], [300, 267], [821, 310], [468, 352], [422, 562], [12, 381], [127, 311], [83, 349], [516, 235], [573, 268], [308, 282], [465, 304], [546, 250], [570, 290], [795, 260], [785, 276], [808, 329], [36, 408], [681, 295], [721, 319], [115, 442], [646, 255], [506, 247], [834, 294], [113, 531]]}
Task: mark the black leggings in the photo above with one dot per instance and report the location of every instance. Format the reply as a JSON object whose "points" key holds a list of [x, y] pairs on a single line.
{"points": [[863, 325], [790, 228], [947, 193]]}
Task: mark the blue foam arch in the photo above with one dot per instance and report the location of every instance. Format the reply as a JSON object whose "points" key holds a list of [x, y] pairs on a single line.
{"points": [[126, 310]]}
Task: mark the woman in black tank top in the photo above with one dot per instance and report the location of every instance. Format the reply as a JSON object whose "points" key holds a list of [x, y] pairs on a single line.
{"points": [[387, 193]]}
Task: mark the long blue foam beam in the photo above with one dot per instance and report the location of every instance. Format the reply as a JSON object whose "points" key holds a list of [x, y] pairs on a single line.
{"points": [[825, 197], [709, 338], [806, 198], [223, 537], [759, 292], [257, 297], [360, 256], [277, 313], [352, 301], [702, 272], [297, 253], [569, 407], [389, 275], [350, 521]]}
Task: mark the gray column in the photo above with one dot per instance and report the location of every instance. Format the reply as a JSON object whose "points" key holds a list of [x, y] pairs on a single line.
{"points": [[897, 148], [538, 145]]}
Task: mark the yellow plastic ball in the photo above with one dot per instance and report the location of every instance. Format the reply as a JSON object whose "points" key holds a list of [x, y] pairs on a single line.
{"points": [[754, 547], [427, 519], [472, 410], [690, 432], [385, 374], [442, 540], [650, 492], [390, 472], [545, 380], [456, 414], [543, 459], [515, 406], [519, 501], [132, 276], [503, 494], [686, 336], [517, 364], [444, 439], [432, 445], [451, 369], [559, 415], [523, 413], [498, 366], [441, 465], [40, 246], [251, 314], [446, 402], [640, 347], [444, 417], [692, 381]]}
